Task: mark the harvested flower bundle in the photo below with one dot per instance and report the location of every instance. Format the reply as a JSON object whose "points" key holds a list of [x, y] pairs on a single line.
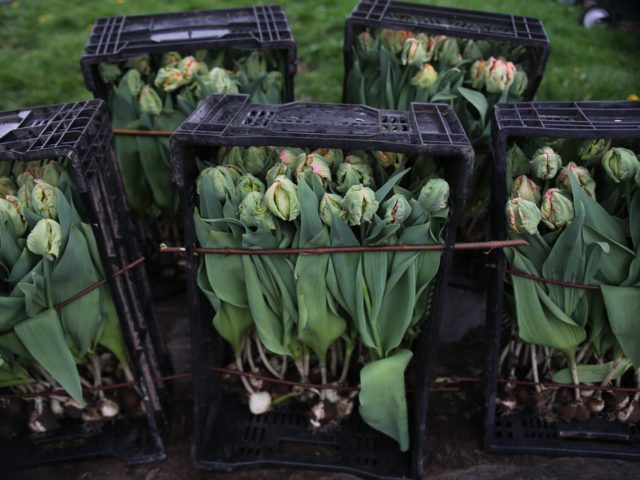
{"points": [[48, 255], [577, 203], [157, 93], [329, 319]]}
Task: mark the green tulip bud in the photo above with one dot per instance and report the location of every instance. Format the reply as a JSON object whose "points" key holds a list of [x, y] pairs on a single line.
{"points": [[190, 68], [620, 164], [397, 209], [331, 206], [142, 64], [169, 79], [434, 45], [333, 156], [472, 51], [349, 175], [355, 160], [150, 101], [582, 174], [256, 65], [7, 187], [523, 216], [288, 156], [517, 163], [449, 52], [44, 200], [11, 210], [434, 196], [231, 156], [360, 204], [247, 184], [413, 52], [51, 173], [365, 42], [425, 77], [45, 239], [218, 80], [109, 73], [592, 151], [28, 177], [394, 39], [277, 170], [499, 75], [477, 74], [545, 163], [556, 209], [171, 59], [253, 212], [519, 84], [390, 159], [133, 82], [24, 194], [256, 160], [282, 199], [221, 180], [526, 188], [317, 165], [272, 81]]}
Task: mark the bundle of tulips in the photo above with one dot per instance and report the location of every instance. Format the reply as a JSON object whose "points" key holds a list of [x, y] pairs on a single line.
{"points": [[48, 255], [158, 92], [578, 206], [392, 68], [330, 319]]}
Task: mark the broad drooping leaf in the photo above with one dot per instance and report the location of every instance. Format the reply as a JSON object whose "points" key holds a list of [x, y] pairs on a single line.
{"points": [[383, 402], [43, 337], [596, 373], [623, 311]]}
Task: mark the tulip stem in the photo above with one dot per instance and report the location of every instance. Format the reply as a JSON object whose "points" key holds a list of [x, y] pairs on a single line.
{"points": [[574, 376], [264, 358], [534, 367], [345, 366], [243, 379], [97, 374]]}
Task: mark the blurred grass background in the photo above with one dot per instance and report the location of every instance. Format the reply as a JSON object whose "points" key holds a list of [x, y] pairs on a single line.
{"points": [[43, 40]]}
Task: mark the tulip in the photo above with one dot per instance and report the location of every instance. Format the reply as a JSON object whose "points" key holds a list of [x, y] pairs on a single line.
{"points": [[425, 77], [272, 81], [282, 199], [396, 209], [45, 239], [150, 101], [253, 212], [333, 156], [190, 68], [449, 52], [220, 179], [556, 209], [24, 194], [389, 159], [519, 84], [218, 80], [517, 163], [434, 196], [171, 59], [51, 173], [169, 79], [434, 45], [620, 164], [394, 39], [231, 156], [349, 175], [318, 166], [360, 204], [7, 186], [365, 42], [28, 177], [288, 156], [592, 150], [133, 82], [523, 216], [477, 73], [277, 170], [331, 206], [142, 64], [255, 65], [582, 174], [413, 52], [545, 163], [256, 160], [472, 51], [526, 188], [110, 73], [499, 75], [44, 200], [248, 184], [11, 209]]}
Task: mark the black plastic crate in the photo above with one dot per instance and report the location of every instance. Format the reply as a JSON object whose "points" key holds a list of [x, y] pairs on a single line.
{"points": [[453, 22], [525, 432], [115, 39], [81, 133], [226, 435]]}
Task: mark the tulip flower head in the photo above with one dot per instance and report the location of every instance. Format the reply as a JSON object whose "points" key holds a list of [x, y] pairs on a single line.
{"points": [[557, 209], [526, 188], [582, 174], [523, 216], [545, 163], [281, 199], [360, 204], [45, 239], [620, 164]]}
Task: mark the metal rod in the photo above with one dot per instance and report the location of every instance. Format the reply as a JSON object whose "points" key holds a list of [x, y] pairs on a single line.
{"points": [[145, 133]]}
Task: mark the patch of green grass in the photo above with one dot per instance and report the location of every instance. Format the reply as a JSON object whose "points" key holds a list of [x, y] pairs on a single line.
{"points": [[42, 43]]}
